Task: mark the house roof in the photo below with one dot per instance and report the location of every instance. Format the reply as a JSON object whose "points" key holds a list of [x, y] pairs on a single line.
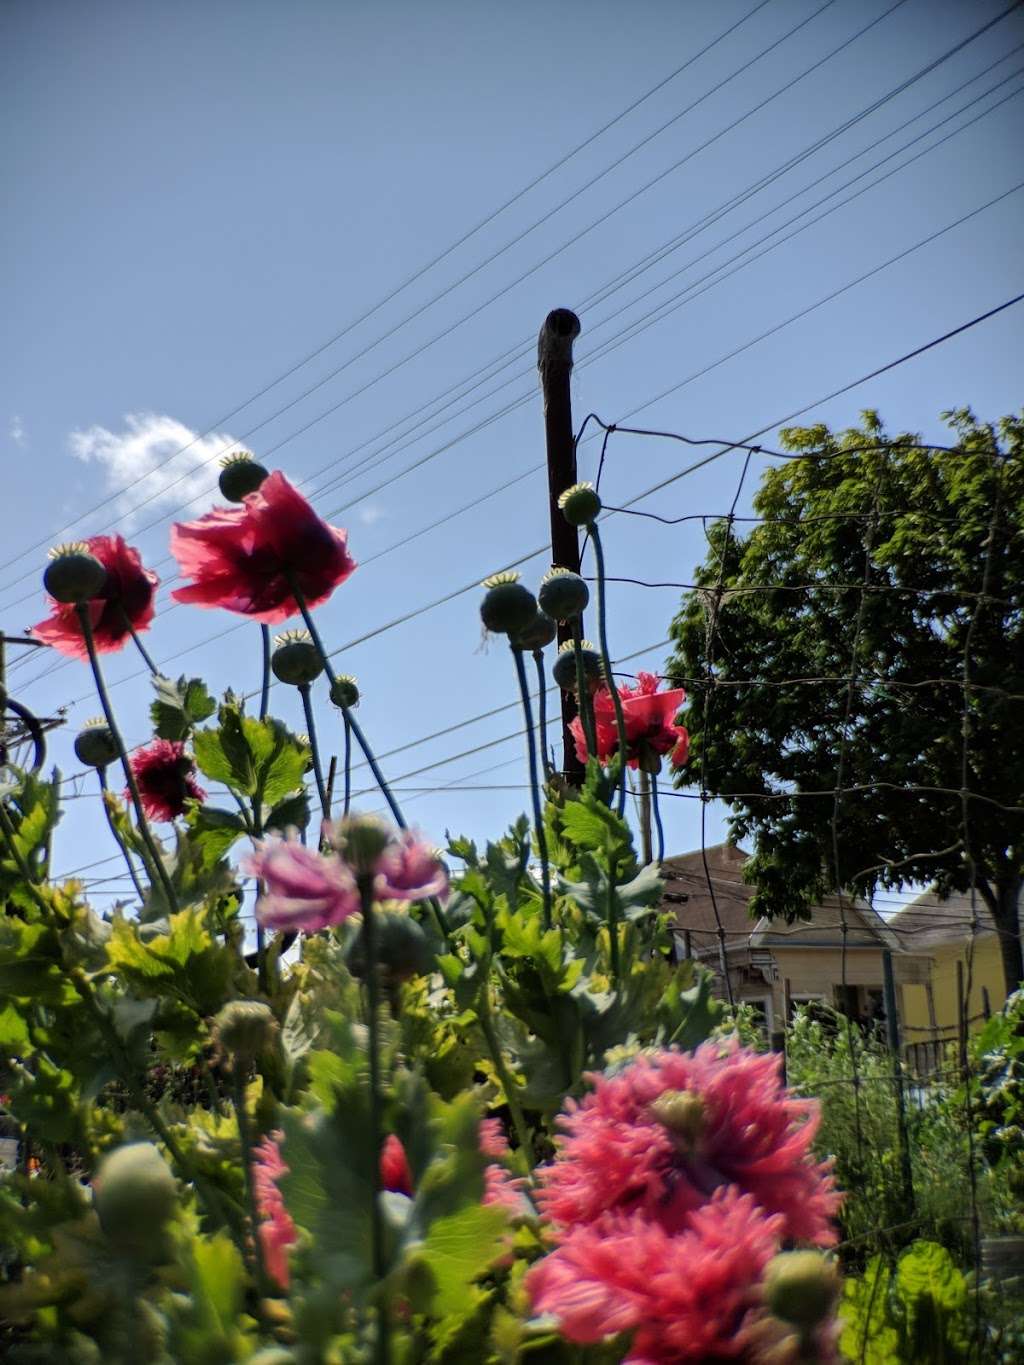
{"points": [[929, 922], [686, 874]]}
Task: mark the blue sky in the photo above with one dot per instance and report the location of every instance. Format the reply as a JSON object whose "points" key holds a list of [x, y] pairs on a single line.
{"points": [[199, 196]]}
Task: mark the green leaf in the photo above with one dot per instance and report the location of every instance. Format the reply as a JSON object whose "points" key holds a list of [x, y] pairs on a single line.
{"points": [[14, 1034], [193, 876], [927, 1268], [179, 706], [223, 753], [459, 1248], [186, 963], [212, 832], [291, 812]]}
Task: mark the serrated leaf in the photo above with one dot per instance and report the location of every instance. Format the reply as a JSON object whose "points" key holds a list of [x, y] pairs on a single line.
{"points": [[212, 832], [459, 1248], [179, 706], [290, 813]]}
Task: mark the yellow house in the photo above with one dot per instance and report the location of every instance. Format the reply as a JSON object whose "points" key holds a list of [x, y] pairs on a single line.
{"points": [[958, 978]]}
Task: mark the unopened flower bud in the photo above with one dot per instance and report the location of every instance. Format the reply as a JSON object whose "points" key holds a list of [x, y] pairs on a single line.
{"points": [[135, 1196], [402, 948], [563, 594], [345, 691], [580, 504], [296, 659], [244, 1030], [682, 1114], [361, 839], [536, 634], [563, 671], [508, 606], [73, 574], [95, 745], [240, 475], [801, 1287]]}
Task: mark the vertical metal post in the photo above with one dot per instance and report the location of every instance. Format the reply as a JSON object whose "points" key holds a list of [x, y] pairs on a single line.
{"points": [[892, 1030], [554, 363]]}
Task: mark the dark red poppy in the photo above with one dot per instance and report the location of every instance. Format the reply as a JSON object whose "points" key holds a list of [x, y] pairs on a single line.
{"points": [[126, 597], [244, 558], [165, 776], [651, 728]]}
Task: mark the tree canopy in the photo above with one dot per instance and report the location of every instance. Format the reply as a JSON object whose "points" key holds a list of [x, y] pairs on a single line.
{"points": [[830, 646]]}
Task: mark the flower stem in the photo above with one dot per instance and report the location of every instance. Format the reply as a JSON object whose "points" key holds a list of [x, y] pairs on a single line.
{"points": [[360, 738], [139, 645], [602, 626], [129, 776], [504, 1075], [542, 712], [655, 811], [538, 816], [245, 1141], [347, 761], [318, 772], [647, 852], [265, 685], [101, 774], [584, 701], [376, 1106], [613, 924]]}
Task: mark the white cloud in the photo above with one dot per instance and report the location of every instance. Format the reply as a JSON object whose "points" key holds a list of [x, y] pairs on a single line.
{"points": [[16, 431], [370, 512], [155, 460]]}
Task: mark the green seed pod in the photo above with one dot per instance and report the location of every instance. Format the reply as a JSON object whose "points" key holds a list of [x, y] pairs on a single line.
{"points": [[244, 1030], [94, 744], [73, 574], [345, 691], [403, 949], [537, 634], [296, 659], [580, 504], [135, 1196], [240, 475], [801, 1287], [563, 670], [508, 606], [563, 594], [682, 1114]]}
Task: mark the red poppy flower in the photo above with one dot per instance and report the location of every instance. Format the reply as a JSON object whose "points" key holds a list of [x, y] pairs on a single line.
{"points": [[244, 558], [165, 776], [126, 596], [395, 1175], [651, 730]]}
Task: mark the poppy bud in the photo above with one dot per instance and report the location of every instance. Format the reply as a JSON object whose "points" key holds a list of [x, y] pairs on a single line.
{"points": [[135, 1196], [73, 574], [508, 606], [801, 1287], [564, 668], [403, 949], [563, 594], [240, 475], [295, 659], [244, 1030], [580, 504], [94, 744], [535, 634], [345, 691], [361, 839]]}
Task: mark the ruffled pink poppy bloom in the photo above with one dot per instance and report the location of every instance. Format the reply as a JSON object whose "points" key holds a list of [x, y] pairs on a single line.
{"points": [[651, 729], [670, 1129], [303, 889], [410, 870], [276, 1230], [693, 1295], [244, 558], [126, 597], [166, 778]]}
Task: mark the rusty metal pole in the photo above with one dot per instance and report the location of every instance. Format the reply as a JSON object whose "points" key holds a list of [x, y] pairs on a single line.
{"points": [[554, 362]]}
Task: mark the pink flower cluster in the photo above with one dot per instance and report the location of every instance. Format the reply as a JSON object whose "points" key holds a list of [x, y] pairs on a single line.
{"points": [[676, 1182], [310, 891], [651, 729], [276, 1230]]}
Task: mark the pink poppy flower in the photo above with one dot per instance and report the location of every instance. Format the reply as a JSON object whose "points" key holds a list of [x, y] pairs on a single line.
{"points": [[693, 1295], [664, 1134], [410, 870], [395, 1175], [276, 1230], [303, 889], [126, 596], [166, 778], [242, 558], [651, 730]]}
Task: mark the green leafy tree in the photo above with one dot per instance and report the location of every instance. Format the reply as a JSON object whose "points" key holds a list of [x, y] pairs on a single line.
{"points": [[902, 567]]}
